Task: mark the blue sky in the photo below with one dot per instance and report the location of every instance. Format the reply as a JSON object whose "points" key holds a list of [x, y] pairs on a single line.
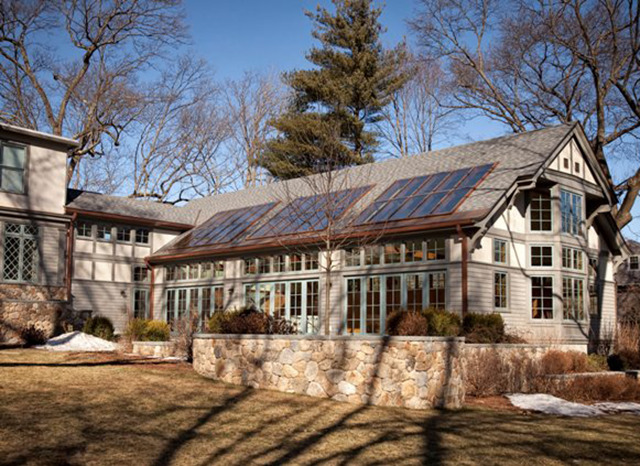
{"points": [[238, 35]]}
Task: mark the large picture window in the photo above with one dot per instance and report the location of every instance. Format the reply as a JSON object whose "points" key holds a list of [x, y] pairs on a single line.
{"points": [[13, 161], [571, 209], [371, 299], [542, 297], [295, 301], [202, 301], [20, 261]]}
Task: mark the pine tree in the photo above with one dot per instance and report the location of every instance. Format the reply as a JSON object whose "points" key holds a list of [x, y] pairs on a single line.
{"points": [[335, 102]]}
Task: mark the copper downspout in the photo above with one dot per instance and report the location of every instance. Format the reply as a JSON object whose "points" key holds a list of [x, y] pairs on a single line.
{"points": [[465, 270], [152, 279], [70, 243]]}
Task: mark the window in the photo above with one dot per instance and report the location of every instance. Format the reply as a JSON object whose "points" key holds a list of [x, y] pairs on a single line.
{"points": [[250, 267], [634, 264], [413, 251], [104, 232], [295, 301], [542, 297], [372, 255], [392, 253], [197, 301], [415, 285], [370, 299], [541, 256], [20, 262], [12, 167], [206, 270], [566, 163], [264, 265], [280, 263], [352, 257], [572, 259], [500, 290], [218, 269], [295, 262], [170, 273], [577, 167], [435, 249], [142, 236], [194, 271], [183, 272], [572, 299], [123, 234], [170, 306], [140, 303], [140, 273], [499, 251], [540, 212], [83, 230], [311, 261], [571, 209]]}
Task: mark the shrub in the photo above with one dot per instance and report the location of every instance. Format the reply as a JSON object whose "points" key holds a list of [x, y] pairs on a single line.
{"points": [[442, 323], [157, 330], [624, 360], [597, 363], [483, 328], [136, 329], [564, 362], [407, 323], [600, 388], [99, 326], [248, 321], [33, 336]]}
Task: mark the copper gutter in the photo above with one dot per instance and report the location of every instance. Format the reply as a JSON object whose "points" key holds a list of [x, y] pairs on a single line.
{"points": [[130, 219], [70, 244], [152, 279], [465, 270]]}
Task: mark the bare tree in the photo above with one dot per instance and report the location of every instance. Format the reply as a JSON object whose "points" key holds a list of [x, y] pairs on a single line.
{"points": [[252, 102], [529, 64], [178, 137], [418, 112], [84, 93]]}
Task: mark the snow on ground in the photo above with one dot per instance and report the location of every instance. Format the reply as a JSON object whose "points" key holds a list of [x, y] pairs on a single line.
{"points": [[78, 341], [549, 404]]}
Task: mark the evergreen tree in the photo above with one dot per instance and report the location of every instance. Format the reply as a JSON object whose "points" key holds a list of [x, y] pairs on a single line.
{"points": [[335, 102]]}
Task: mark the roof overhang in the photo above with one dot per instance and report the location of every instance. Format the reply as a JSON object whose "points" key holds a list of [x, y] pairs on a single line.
{"points": [[106, 216], [31, 133]]}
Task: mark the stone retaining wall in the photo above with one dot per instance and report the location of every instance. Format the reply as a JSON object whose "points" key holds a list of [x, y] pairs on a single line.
{"points": [[24, 306], [411, 372], [155, 349]]}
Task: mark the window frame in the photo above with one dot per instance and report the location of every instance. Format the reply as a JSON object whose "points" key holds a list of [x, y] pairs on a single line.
{"points": [[146, 233], [501, 242], [137, 267], [100, 226], [582, 309], [530, 211], [637, 262], [542, 318], [506, 296], [127, 231], [24, 170], [579, 227], [134, 302], [572, 259], [22, 237], [531, 246], [78, 230]]}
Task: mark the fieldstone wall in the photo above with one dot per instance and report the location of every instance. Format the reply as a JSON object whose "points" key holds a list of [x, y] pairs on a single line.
{"points": [[24, 306], [411, 372], [154, 349]]}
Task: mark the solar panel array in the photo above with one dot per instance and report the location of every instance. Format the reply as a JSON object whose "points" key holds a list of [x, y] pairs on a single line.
{"points": [[311, 213], [225, 226], [422, 196]]}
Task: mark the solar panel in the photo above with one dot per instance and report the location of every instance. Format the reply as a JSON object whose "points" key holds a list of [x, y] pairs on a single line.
{"points": [[310, 213], [225, 226], [436, 194]]}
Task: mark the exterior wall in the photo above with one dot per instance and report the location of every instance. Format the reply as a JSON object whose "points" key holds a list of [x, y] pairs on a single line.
{"points": [[416, 373], [566, 162], [103, 271], [45, 177]]}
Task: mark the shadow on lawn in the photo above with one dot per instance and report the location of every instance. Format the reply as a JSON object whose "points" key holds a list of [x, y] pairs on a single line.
{"points": [[109, 362]]}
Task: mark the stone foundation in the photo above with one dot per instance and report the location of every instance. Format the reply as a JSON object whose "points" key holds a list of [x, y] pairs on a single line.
{"points": [[26, 306], [410, 372]]}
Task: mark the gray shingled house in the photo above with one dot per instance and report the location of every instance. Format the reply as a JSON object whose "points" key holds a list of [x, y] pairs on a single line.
{"points": [[519, 225]]}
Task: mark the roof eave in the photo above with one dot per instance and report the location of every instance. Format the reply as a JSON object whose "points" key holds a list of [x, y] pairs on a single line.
{"points": [[156, 223]]}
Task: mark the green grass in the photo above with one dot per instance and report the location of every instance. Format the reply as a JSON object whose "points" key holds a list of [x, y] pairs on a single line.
{"points": [[91, 409]]}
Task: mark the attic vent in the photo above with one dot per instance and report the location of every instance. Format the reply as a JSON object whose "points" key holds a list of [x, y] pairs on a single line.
{"points": [[566, 164], [577, 167]]}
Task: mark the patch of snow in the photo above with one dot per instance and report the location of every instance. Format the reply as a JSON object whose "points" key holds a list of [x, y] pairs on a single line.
{"points": [[78, 341], [619, 407], [549, 404]]}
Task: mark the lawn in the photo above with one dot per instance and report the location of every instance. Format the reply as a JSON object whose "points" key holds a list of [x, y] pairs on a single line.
{"points": [[92, 409]]}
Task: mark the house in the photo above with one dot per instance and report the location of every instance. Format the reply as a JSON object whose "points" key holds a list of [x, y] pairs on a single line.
{"points": [[519, 225], [628, 285]]}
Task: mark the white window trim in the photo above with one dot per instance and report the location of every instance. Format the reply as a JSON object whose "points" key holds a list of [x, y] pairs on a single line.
{"points": [[553, 299], [508, 291], [542, 267]]}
